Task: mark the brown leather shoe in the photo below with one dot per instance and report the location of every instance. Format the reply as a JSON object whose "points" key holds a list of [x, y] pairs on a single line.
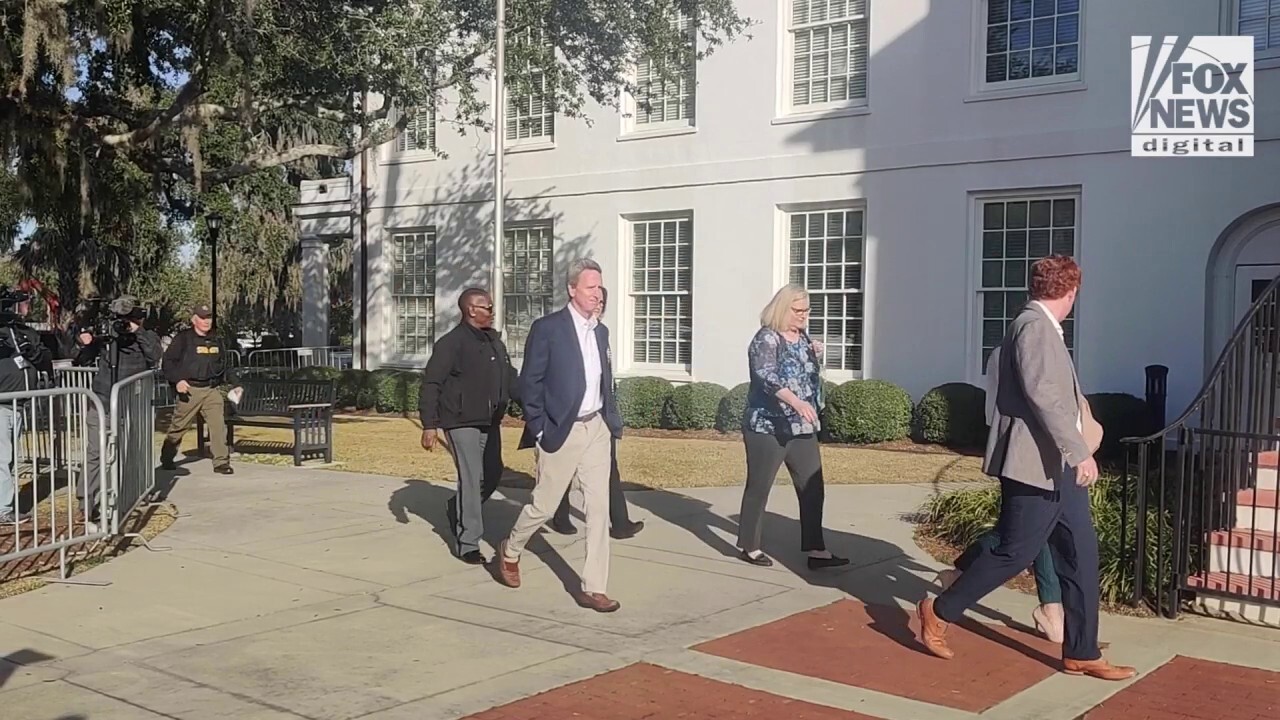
{"points": [[1099, 668], [508, 572], [599, 602], [932, 630]]}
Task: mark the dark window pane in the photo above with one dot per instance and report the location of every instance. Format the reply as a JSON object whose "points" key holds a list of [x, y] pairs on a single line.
{"points": [[1020, 9], [1068, 29], [997, 68], [1020, 36], [1015, 273], [1068, 59], [1019, 65], [1064, 213], [1068, 6], [1043, 33], [997, 11], [1037, 243], [998, 39], [1042, 62], [1064, 242], [1039, 213], [993, 244], [993, 216], [1015, 244], [1016, 215], [992, 305], [1044, 7], [992, 273]]}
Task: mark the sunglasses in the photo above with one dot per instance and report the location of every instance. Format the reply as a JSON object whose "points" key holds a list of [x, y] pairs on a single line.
{"points": [[486, 308]]}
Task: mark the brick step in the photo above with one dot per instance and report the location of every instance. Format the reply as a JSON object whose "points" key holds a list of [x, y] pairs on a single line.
{"points": [[1256, 509], [1269, 459], [1244, 553], [1264, 589]]}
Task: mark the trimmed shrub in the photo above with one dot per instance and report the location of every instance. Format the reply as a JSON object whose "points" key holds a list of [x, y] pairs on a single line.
{"points": [[642, 399], [732, 407], [953, 414], [958, 518], [355, 390], [1121, 415], [693, 406], [317, 372], [515, 410], [868, 411], [396, 391]]}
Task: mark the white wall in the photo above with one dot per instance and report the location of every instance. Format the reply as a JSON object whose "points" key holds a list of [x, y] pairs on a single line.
{"points": [[924, 145]]}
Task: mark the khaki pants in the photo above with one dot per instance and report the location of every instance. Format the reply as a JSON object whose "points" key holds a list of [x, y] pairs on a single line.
{"points": [[208, 403], [584, 458]]}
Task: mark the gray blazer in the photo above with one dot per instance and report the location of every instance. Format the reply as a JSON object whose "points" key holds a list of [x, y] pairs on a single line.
{"points": [[1034, 437]]}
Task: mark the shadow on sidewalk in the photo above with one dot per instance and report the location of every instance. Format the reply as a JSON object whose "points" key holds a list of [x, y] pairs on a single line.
{"points": [[881, 575], [428, 502]]}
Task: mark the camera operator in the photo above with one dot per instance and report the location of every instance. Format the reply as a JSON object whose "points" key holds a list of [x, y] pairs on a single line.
{"points": [[119, 349], [196, 365], [22, 357]]}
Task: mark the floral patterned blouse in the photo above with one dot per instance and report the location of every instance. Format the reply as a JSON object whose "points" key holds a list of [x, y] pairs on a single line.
{"points": [[777, 363]]}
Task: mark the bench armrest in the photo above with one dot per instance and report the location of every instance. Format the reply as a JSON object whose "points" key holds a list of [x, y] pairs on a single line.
{"points": [[309, 406]]}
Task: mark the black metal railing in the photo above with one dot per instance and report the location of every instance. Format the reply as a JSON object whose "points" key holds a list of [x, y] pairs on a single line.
{"points": [[1194, 518]]}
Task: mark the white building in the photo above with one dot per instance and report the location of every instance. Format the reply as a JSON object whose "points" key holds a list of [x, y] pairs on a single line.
{"points": [[905, 161]]}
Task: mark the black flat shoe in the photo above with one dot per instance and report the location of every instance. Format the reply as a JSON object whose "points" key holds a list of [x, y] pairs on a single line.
{"points": [[566, 528], [224, 470], [827, 563], [629, 530], [761, 561], [475, 557]]}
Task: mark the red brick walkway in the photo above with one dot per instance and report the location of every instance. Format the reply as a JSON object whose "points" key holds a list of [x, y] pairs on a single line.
{"points": [[876, 648], [1194, 689], [648, 692]]}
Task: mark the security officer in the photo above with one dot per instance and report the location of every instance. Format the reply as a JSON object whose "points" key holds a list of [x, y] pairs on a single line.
{"points": [[22, 358], [196, 365], [125, 350]]}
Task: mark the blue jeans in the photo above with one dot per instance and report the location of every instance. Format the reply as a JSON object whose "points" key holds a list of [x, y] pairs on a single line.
{"points": [[10, 426]]}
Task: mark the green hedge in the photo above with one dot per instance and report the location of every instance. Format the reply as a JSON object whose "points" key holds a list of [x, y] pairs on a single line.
{"points": [[958, 518], [396, 391], [1121, 415], [868, 411], [732, 407], [953, 414], [641, 401], [693, 406]]}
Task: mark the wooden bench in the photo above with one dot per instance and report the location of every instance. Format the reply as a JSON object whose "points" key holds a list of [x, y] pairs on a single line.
{"points": [[304, 405]]}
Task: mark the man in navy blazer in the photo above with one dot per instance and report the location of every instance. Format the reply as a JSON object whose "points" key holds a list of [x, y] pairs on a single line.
{"points": [[571, 418]]}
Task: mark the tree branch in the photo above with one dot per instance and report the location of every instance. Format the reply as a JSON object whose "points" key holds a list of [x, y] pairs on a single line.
{"points": [[187, 95]]}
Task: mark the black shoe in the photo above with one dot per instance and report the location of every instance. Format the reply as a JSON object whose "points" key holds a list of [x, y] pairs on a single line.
{"points": [[224, 470], [474, 557], [826, 563], [564, 528], [761, 561], [629, 530]]}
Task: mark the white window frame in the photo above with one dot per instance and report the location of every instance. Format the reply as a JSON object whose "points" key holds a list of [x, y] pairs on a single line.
{"points": [[399, 147], [788, 111], [537, 142], [515, 346], [1066, 82], [626, 298], [782, 236], [632, 128], [973, 341], [1264, 59], [393, 316]]}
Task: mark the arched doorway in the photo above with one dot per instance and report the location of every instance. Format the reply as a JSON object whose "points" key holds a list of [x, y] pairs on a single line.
{"points": [[1243, 261]]}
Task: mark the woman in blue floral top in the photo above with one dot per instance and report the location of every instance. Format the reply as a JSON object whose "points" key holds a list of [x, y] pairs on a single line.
{"points": [[781, 425]]}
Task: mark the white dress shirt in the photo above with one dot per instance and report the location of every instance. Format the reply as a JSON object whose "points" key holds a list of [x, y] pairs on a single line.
{"points": [[1058, 326], [585, 328]]}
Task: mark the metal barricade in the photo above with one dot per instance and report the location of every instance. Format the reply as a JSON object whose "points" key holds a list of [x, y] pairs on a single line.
{"points": [[133, 467], [293, 358], [42, 453]]}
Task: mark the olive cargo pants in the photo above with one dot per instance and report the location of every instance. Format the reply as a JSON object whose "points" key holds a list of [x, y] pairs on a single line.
{"points": [[209, 403]]}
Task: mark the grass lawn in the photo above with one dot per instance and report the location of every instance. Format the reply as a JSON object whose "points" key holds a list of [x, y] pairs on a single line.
{"points": [[390, 446]]}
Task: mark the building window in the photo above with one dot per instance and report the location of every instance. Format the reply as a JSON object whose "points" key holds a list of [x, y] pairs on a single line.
{"points": [[670, 102], [413, 290], [1016, 233], [1261, 19], [420, 132], [662, 291], [531, 115], [1031, 41], [527, 282], [828, 53], [826, 250]]}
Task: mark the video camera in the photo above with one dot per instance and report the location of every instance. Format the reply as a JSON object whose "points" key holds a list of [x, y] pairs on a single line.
{"points": [[109, 321], [9, 302]]}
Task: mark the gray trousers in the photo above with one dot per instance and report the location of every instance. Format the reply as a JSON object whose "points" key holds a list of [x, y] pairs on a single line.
{"points": [[90, 486], [765, 456], [477, 454]]}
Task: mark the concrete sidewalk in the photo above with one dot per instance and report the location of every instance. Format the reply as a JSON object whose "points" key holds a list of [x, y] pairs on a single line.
{"points": [[314, 594]]}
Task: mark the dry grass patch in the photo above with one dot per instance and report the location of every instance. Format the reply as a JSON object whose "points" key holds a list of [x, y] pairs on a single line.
{"points": [[389, 446]]}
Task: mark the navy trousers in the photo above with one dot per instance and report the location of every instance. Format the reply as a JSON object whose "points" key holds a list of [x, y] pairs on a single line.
{"points": [[1030, 517]]}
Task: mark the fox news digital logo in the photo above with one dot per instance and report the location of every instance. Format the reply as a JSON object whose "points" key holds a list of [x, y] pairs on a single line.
{"points": [[1192, 96]]}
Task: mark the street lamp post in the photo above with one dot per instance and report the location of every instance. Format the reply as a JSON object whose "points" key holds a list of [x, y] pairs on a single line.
{"points": [[214, 222]]}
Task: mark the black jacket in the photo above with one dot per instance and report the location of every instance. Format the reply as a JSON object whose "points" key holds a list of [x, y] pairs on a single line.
{"points": [[24, 357], [129, 354], [201, 360], [468, 380]]}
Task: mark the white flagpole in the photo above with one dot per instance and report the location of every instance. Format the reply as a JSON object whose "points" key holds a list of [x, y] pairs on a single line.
{"points": [[499, 137]]}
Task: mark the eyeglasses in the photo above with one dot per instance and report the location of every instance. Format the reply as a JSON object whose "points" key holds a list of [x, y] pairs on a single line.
{"points": [[800, 311], [486, 308]]}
